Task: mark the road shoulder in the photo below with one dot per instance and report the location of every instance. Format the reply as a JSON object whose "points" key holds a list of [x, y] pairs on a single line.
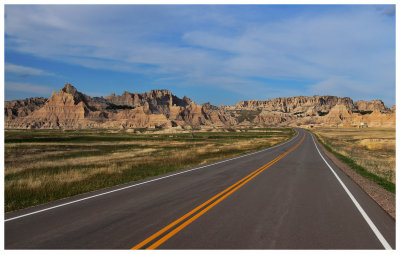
{"points": [[382, 197]]}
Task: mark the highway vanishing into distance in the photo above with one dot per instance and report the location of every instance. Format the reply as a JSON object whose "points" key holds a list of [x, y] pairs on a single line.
{"points": [[290, 196]]}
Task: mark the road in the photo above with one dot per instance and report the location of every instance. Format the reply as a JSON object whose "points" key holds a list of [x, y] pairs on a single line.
{"points": [[286, 197]]}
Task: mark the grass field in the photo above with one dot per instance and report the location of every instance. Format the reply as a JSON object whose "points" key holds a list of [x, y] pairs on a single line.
{"points": [[41, 166], [372, 149]]}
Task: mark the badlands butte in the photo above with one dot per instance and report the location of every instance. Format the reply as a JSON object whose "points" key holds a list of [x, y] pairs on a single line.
{"points": [[71, 109]]}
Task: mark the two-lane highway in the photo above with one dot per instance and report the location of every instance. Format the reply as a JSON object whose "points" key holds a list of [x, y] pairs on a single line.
{"points": [[286, 197]]}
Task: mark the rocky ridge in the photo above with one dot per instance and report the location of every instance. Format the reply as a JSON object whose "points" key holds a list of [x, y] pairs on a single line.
{"points": [[21, 108], [70, 109]]}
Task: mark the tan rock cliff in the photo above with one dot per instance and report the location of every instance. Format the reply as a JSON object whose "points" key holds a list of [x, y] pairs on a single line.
{"points": [[68, 108]]}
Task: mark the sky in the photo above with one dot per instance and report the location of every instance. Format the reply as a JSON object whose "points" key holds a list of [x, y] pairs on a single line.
{"points": [[220, 54]]}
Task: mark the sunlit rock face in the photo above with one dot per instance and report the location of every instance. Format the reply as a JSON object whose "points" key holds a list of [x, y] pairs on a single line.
{"points": [[71, 109]]}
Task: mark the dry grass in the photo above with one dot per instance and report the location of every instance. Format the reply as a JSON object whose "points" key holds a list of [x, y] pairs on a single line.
{"points": [[372, 148], [38, 172], [89, 160]]}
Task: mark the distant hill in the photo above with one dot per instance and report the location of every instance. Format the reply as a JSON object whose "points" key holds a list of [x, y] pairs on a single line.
{"points": [[71, 109]]}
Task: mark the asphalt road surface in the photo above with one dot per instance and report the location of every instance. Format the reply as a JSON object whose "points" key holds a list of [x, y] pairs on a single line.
{"points": [[286, 197]]}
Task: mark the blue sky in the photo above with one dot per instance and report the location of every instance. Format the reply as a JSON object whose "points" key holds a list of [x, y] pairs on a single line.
{"points": [[211, 53]]}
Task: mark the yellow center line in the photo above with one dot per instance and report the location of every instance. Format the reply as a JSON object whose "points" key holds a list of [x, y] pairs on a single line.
{"points": [[222, 195], [193, 211], [138, 246]]}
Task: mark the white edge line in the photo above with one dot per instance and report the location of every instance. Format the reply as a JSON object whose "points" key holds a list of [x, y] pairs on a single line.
{"points": [[360, 209], [149, 181]]}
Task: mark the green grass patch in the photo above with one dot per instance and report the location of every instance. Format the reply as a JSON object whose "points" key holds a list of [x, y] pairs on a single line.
{"points": [[359, 169]]}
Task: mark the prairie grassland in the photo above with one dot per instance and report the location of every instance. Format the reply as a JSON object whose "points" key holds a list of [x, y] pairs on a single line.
{"points": [[41, 166], [372, 148]]}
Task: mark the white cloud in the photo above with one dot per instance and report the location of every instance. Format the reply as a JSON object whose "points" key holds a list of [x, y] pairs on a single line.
{"points": [[28, 88], [213, 46], [25, 70]]}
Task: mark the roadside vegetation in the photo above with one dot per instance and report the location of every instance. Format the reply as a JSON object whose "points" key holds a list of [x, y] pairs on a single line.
{"points": [[369, 151], [44, 165]]}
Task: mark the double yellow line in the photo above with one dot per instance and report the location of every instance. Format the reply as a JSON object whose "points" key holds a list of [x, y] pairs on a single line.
{"points": [[206, 205]]}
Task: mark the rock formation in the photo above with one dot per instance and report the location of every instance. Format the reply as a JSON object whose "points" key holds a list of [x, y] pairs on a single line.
{"points": [[376, 105], [22, 108], [70, 109]]}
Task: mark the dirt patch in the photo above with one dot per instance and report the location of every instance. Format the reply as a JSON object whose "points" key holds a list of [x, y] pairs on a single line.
{"points": [[384, 198]]}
